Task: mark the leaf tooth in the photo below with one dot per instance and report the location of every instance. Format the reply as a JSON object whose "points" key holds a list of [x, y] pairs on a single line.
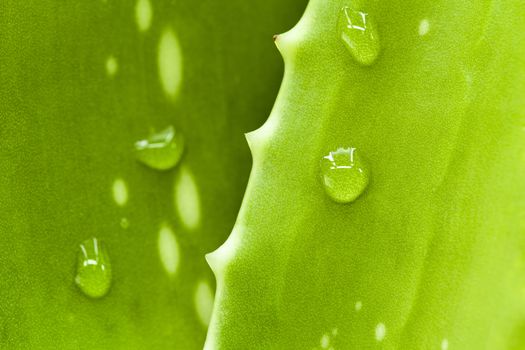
{"points": [[259, 138], [215, 262], [219, 259], [255, 142], [252, 140], [286, 43]]}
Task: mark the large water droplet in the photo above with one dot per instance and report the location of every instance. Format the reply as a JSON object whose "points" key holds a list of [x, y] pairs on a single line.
{"points": [[359, 34], [162, 150], [93, 268], [344, 175]]}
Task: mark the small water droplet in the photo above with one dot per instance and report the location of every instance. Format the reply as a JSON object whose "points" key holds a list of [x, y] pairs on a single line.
{"points": [[120, 192], [161, 151], [380, 331], [424, 27], [444, 344], [124, 223], [358, 306], [143, 14], [111, 66], [203, 300], [359, 34], [344, 175], [93, 268], [187, 199], [169, 63], [169, 251], [325, 341]]}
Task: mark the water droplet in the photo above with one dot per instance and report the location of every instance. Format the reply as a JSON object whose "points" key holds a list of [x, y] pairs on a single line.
{"points": [[444, 344], [120, 192], [380, 331], [93, 268], [325, 341], [358, 306], [203, 300], [168, 249], [161, 151], [124, 223], [111, 66], [187, 200], [424, 27], [359, 34], [143, 14], [344, 175], [169, 62]]}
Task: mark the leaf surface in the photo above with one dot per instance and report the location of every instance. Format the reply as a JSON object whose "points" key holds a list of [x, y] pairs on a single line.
{"points": [[81, 82], [430, 256]]}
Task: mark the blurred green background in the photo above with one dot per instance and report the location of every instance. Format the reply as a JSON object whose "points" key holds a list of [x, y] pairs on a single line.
{"points": [[81, 81]]}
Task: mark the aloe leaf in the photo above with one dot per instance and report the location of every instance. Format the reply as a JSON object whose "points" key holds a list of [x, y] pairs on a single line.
{"points": [[429, 254], [81, 82]]}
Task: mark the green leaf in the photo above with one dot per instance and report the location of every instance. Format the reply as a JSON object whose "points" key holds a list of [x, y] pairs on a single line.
{"points": [[81, 82], [430, 255]]}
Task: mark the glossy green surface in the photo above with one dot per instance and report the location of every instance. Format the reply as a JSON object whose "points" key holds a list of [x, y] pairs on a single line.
{"points": [[430, 256], [81, 81]]}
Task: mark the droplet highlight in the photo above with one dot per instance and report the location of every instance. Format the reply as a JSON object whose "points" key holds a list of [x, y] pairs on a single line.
{"points": [[169, 62], [143, 14], [424, 27], [162, 150], [328, 339], [187, 199], [444, 344], [168, 249], [325, 341], [380, 332], [111, 66], [203, 301], [120, 192], [93, 269], [359, 34], [124, 223], [344, 175]]}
